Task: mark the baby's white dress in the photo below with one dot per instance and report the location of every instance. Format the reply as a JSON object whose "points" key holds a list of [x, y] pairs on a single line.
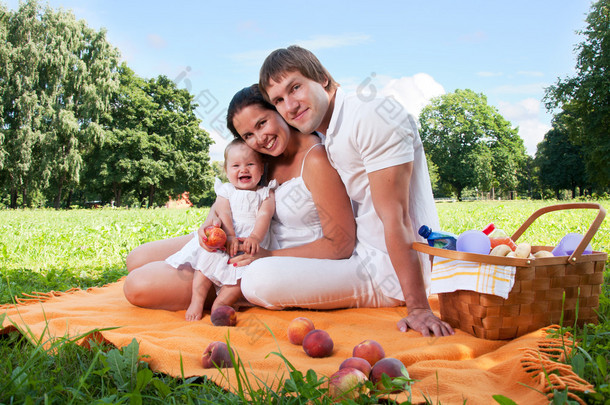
{"points": [[244, 207]]}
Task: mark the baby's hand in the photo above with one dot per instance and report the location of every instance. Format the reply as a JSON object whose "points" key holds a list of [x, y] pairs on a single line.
{"points": [[251, 244], [232, 245]]}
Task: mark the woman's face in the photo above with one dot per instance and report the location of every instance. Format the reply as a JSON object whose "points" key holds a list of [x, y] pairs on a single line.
{"points": [[264, 130]]}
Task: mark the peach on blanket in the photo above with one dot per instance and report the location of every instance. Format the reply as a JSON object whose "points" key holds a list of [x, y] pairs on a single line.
{"points": [[448, 370]]}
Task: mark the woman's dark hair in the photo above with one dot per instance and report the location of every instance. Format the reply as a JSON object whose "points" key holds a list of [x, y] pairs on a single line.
{"points": [[246, 97]]}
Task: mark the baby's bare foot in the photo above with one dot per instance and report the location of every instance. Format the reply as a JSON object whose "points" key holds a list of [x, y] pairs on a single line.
{"points": [[194, 312]]}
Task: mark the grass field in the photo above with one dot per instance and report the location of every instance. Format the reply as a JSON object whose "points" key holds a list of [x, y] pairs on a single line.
{"points": [[43, 250]]}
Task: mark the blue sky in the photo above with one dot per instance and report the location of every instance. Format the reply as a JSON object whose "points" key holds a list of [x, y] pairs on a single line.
{"points": [[507, 50]]}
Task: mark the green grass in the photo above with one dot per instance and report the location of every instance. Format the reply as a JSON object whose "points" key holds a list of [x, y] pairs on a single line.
{"points": [[43, 250]]}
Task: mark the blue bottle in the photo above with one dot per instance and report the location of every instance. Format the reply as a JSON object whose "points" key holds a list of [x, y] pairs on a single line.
{"points": [[442, 240]]}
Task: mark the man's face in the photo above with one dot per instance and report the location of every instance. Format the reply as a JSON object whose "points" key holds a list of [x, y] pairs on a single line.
{"points": [[304, 103]]}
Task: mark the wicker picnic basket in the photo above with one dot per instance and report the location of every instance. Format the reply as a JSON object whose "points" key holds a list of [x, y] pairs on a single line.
{"points": [[537, 297]]}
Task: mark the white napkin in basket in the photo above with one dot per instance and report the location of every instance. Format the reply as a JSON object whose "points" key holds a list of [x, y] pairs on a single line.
{"points": [[449, 275]]}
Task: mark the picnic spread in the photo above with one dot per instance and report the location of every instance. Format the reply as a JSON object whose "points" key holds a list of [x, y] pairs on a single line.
{"points": [[448, 369]]}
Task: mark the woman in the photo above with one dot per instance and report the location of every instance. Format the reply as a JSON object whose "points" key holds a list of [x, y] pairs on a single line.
{"points": [[311, 265]]}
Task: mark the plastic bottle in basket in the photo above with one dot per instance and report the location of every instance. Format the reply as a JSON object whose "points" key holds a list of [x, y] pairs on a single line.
{"points": [[498, 237], [443, 240]]}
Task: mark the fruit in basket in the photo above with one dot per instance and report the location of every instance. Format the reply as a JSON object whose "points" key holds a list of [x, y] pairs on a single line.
{"points": [[523, 250], [298, 328], [500, 250], [543, 253], [216, 237]]}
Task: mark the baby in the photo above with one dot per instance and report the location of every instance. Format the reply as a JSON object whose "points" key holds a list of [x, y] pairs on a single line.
{"points": [[246, 221]]}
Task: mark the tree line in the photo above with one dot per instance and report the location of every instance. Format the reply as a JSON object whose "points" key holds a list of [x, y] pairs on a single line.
{"points": [[472, 149], [78, 126]]}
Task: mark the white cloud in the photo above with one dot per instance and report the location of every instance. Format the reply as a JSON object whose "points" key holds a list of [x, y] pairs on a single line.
{"points": [[318, 42], [527, 115], [313, 44], [414, 92], [489, 74], [255, 58], [217, 149], [473, 37], [531, 73], [129, 50], [526, 89], [156, 41]]}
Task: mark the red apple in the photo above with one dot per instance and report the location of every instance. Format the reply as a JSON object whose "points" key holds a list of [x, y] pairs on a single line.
{"points": [[217, 355], [390, 366], [369, 350], [358, 364], [298, 328], [347, 383], [224, 315], [216, 237], [318, 343]]}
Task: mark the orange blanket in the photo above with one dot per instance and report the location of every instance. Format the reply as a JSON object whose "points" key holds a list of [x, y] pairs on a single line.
{"points": [[448, 370]]}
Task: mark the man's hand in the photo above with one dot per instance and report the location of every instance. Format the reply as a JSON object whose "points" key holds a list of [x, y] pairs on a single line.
{"points": [[424, 321]]}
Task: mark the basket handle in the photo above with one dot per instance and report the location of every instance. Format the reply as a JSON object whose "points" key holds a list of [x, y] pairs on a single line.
{"points": [[575, 257]]}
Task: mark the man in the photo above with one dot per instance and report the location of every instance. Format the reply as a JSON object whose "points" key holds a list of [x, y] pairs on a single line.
{"points": [[375, 147]]}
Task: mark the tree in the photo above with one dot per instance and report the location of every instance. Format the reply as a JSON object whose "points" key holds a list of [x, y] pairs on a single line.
{"points": [[470, 143], [22, 98], [585, 98], [560, 161], [60, 75], [4, 74], [155, 148]]}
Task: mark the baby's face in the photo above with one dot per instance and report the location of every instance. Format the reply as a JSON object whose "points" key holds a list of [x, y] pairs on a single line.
{"points": [[244, 167]]}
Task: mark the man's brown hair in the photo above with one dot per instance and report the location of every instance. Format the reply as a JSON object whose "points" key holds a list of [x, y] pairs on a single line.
{"points": [[293, 59]]}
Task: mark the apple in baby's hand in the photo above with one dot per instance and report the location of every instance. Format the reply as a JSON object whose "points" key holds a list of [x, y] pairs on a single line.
{"points": [[224, 315], [370, 350], [358, 364], [216, 237], [347, 383], [390, 366], [318, 343], [298, 328], [217, 355]]}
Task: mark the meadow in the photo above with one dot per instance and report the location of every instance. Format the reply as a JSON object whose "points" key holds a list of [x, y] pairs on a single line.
{"points": [[44, 250]]}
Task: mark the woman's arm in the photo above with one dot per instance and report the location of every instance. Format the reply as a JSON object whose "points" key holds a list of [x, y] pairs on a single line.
{"points": [[334, 210]]}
